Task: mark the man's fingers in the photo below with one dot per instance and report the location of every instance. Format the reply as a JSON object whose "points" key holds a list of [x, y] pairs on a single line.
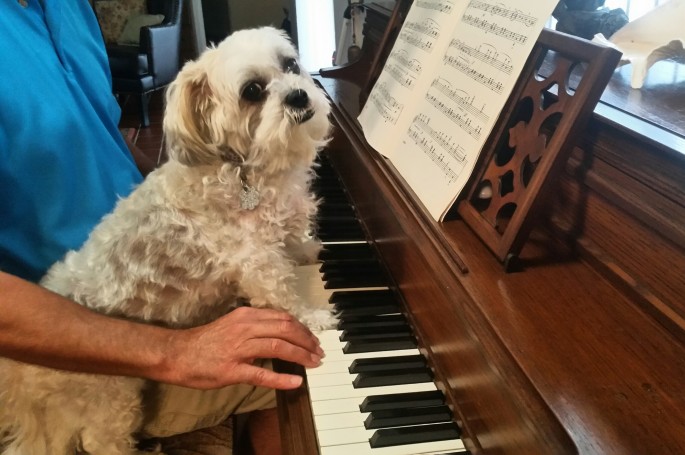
{"points": [[261, 313], [270, 348], [266, 378], [289, 330]]}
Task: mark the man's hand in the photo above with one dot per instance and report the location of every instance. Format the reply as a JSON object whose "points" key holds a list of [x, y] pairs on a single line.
{"points": [[222, 353]]}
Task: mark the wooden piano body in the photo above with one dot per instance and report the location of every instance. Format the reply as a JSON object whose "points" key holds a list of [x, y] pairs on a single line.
{"points": [[583, 351]]}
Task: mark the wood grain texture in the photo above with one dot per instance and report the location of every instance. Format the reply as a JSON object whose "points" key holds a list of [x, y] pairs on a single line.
{"points": [[581, 352]]}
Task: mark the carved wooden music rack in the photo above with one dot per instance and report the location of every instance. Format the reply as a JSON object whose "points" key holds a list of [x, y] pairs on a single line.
{"points": [[532, 140]]}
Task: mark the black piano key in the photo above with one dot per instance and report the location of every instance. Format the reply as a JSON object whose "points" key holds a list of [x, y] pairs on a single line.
{"points": [[365, 305], [356, 282], [368, 264], [393, 377], [372, 322], [365, 335], [369, 310], [361, 304], [414, 435], [348, 269], [344, 251], [346, 236], [353, 347], [346, 229], [407, 416], [387, 363], [354, 275], [363, 296], [402, 400], [335, 211], [354, 265]]}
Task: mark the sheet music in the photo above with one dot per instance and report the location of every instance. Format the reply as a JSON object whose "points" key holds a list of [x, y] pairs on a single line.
{"points": [[433, 123]]}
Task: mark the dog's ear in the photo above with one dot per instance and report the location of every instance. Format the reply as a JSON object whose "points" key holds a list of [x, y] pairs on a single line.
{"points": [[190, 106]]}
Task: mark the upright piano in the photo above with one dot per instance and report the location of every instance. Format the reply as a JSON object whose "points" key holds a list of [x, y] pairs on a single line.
{"points": [[580, 351]]}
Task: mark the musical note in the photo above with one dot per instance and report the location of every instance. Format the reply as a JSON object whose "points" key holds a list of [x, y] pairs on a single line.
{"points": [[490, 56], [428, 27], [389, 108], [463, 101], [492, 27], [488, 81], [418, 132], [401, 75], [463, 122], [411, 38], [402, 58], [511, 14], [442, 6]]}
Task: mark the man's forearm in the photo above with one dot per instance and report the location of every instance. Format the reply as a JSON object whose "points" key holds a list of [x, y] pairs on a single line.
{"points": [[41, 327]]}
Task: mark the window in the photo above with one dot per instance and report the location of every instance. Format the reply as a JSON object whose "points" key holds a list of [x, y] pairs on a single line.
{"points": [[658, 108], [634, 8]]}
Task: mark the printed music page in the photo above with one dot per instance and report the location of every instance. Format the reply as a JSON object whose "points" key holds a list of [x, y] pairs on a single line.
{"points": [[434, 128]]}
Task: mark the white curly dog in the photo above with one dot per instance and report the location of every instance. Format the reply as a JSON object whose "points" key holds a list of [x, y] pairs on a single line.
{"points": [[221, 224]]}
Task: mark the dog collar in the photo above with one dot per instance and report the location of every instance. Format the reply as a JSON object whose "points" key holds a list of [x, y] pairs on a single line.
{"points": [[249, 195]]}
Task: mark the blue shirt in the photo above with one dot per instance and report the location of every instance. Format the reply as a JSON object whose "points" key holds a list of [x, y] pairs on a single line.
{"points": [[63, 161]]}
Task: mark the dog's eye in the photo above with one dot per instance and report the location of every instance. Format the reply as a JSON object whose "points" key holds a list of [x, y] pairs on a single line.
{"points": [[253, 91], [290, 66]]}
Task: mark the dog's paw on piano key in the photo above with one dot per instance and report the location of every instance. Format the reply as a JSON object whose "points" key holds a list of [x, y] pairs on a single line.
{"points": [[318, 319]]}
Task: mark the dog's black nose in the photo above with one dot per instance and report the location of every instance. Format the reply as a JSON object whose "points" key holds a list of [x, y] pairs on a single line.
{"points": [[297, 98]]}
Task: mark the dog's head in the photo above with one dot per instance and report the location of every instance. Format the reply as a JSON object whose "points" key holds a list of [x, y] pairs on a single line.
{"points": [[246, 98]]}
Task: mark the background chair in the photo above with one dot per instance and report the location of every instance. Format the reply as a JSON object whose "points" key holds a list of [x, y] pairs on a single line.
{"points": [[152, 63]]}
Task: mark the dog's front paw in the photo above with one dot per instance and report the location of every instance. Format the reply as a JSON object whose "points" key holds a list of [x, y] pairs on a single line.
{"points": [[307, 252], [318, 319]]}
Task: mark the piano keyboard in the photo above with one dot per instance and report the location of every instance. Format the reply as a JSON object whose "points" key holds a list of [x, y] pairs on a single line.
{"points": [[374, 392]]}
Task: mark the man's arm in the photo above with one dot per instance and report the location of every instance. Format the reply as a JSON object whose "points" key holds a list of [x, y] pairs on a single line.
{"points": [[41, 327], [144, 163]]}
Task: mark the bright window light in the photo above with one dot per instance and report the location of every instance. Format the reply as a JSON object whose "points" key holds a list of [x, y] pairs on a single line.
{"points": [[315, 33]]}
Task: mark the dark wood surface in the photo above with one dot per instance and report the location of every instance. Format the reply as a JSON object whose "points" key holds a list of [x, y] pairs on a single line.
{"points": [[582, 351]]}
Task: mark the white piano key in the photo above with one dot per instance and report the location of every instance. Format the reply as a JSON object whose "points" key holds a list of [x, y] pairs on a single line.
{"points": [[328, 380], [341, 420], [325, 407], [424, 448], [337, 364], [327, 367], [336, 407], [342, 436], [348, 391]]}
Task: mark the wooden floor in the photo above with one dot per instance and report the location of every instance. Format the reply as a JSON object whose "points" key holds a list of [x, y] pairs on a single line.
{"points": [[149, 140]]}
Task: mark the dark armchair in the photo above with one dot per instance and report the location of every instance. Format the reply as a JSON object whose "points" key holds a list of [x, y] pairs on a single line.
{"points": [[152, 64]]}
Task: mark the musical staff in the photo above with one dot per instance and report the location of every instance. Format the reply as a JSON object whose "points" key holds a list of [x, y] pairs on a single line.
{"points": [[421, 134], [441, 6], [463, 101], [492, 27], [414, 39], [386, 104], [411, 64], [462, 121], [428, 27], [452, 69], [488, 81], [401, 75], [490, 56], [511, 14]]}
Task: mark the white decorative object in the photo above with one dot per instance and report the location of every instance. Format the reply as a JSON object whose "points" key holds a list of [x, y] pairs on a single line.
{"points": [[658, 35]]}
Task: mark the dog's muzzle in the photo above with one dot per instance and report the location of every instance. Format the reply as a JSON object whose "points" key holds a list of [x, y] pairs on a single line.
{"points": [[298, 104]]}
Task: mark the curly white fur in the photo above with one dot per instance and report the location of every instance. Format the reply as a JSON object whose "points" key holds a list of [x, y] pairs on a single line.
{"points": [[180, 250]]}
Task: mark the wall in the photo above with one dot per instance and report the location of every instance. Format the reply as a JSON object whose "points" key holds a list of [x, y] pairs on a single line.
{"points": [[255, 13]]}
